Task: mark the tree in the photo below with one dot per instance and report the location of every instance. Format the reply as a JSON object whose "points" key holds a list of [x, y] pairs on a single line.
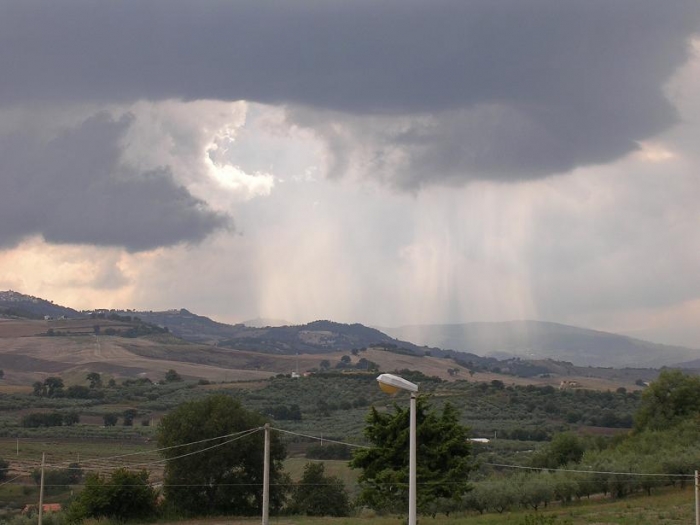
{"points": [[171, 376], [126, 495], [78, 392], [563, 449], [319, 495], [110, 419], [218, 480], [54, 386], [71, 418], [324, 364], [95, 380], [4, 469], [128, 416], [39, 389], [443, 457], [57, 481], [672, 397]]}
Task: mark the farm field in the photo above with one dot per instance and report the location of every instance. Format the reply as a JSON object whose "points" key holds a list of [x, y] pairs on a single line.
{"points": [[79, 346]]}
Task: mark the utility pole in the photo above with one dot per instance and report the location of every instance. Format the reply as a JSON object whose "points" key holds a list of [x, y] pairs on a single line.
{"points": [[41, 487], [697, 498], [412, 464], [266, 478]]}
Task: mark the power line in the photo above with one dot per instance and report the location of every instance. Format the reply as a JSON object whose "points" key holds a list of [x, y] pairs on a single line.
{"points": [[319, 438], [580, 471], [109, 458]]}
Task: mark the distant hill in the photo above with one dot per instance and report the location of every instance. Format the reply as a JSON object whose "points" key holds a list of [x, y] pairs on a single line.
{"points": [[187, 325], [316, 338], [15, 304], [262, 322], [538, 340], [475, 346]]}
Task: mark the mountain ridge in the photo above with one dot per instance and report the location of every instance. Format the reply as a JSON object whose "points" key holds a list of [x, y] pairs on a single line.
{"points": [[477, 344], [544, 339]]}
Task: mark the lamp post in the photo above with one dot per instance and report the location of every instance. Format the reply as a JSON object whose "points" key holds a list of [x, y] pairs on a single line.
{"points": [[391, 384]]}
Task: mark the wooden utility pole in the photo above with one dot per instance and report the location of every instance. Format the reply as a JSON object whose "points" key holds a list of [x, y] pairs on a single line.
{"points": [[266, 478], [697, 499], [41, 487]]}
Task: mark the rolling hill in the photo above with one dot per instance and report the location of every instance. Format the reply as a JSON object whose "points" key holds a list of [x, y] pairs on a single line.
{"points": [[538, 340], [525, 348], [15, 304]]}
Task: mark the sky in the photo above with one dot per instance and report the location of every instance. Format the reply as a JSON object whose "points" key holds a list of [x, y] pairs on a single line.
{"points": [[390, 163]]}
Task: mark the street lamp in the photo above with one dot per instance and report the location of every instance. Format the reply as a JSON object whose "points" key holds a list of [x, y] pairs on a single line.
{"points": [[391, 384]]}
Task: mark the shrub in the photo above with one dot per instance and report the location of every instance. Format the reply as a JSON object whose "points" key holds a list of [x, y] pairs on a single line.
{"points": [[126, 495], [319, 495]]}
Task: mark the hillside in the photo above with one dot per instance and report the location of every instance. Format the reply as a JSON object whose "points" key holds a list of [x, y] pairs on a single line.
{"points": [[29, 354], [188, 326], [523, 348], [538, 340], [14, 304], [317, 337], [30, 350]]}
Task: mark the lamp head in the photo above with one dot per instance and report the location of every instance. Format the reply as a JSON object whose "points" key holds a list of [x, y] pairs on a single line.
{"points": [[391, 384]]}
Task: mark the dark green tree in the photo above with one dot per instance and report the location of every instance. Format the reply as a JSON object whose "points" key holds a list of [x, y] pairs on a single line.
{"points": [[224, 479], [39, 389], [128, 416], [443, 458], [125, 495], [563, 449], [95, 380], [54, 386], [57, 481], [319, 495], [171, 376], [78, 392], [110, 419], [668, 400], [4, 469], [71, 418]]}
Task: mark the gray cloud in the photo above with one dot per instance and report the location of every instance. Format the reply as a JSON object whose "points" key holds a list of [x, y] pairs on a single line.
{"points": [[74, 189], [510, 89]]}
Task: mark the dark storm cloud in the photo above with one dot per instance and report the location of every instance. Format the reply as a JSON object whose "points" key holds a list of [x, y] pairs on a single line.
{"points": [[515, 88], [73, 189]]}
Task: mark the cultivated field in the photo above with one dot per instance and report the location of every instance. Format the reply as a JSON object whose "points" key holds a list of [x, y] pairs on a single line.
{"points": [[27, 355]]}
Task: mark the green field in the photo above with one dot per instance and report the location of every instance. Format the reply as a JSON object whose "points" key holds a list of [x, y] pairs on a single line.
{"points": [[670, 507]]}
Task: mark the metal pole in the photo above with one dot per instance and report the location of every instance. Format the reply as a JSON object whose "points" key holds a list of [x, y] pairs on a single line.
{"points": [[412, 465], [266, 478], [697, 499], [41, 487]]}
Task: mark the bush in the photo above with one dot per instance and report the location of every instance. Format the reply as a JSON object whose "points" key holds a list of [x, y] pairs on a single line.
{"points": [[319, 495], [124, 496], [36, 420]]}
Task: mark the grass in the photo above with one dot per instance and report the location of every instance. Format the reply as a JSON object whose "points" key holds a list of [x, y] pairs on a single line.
{"points": [[669, 507]]}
